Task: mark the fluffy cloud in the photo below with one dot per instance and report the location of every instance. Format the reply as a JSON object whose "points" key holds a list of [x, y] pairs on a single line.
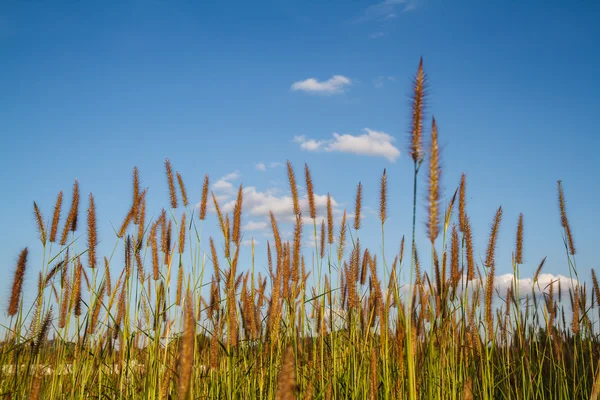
{"points": [[261, 167], [334, 85], [259, 204], [255, 226], [372, 143], [224, 183]]}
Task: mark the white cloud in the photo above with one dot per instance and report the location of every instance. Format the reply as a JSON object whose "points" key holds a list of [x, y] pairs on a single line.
{"points": [[372, 143], [259, 204], [334, 85], [309, 144], [224, 183], [376, 35], [261, 167], [232, 176], [275, 165], [255, 226]]}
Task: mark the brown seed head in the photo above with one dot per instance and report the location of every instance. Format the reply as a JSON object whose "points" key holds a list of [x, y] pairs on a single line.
{"points": [[17, 286], [416, 147], [322, 253], [358, 206], [56, 217], [490, 254], [136, 194], [219, 216], [184, 197], [186, 357], [435, 171], [141, 221], [329, 220], [39, 219], [293, 188], [92, 237], [519, 250], [310, 192], [286, 382], [237, 217], [171, 182], [125, 223], [462, 203], [469, 245], [454, 272], [383, 197], [596, 288], [71, 222], [342, 238], [182, 229], [564, 220], [204, 198]]}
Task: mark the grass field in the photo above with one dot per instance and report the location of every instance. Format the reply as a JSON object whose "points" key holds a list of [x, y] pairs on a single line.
{"points": [[356, 333]]}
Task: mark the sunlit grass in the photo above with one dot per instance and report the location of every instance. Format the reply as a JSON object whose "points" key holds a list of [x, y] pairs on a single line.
{"points": [[347, 332]]}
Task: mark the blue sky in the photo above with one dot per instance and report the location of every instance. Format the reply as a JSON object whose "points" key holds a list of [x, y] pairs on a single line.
{"points": [[90, 89]]}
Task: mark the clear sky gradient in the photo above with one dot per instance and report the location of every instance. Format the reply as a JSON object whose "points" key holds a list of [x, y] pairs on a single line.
{"points": [[89, 89]]}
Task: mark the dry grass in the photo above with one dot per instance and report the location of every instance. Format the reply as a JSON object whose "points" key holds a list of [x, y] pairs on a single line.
{"points": [[322, 322]]}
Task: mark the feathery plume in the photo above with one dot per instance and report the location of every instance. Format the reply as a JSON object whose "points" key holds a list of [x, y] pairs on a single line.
{"points": [[39, 219], [171, 182], [136, 194], [125, 223], [215, 260], [462, 203], [184, 197], [141, 221], [182, 234], [358, 206], [469, 245], [204, 198], [490, 261], [564, 220], [77, 288], [454, 274], [96, 309], [329, 220], [17, 286], [220, 216], [107, 276], [42, 333], [519, 250], [538, 270], [293, 188], [237, 217], [435, 171], [310, 193], [383, 197], [596, 288], [322, 252], [92, 236], [56, 217], [71, 222], [286, 382], [416, 146], [342, 238], [186, 357]]}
